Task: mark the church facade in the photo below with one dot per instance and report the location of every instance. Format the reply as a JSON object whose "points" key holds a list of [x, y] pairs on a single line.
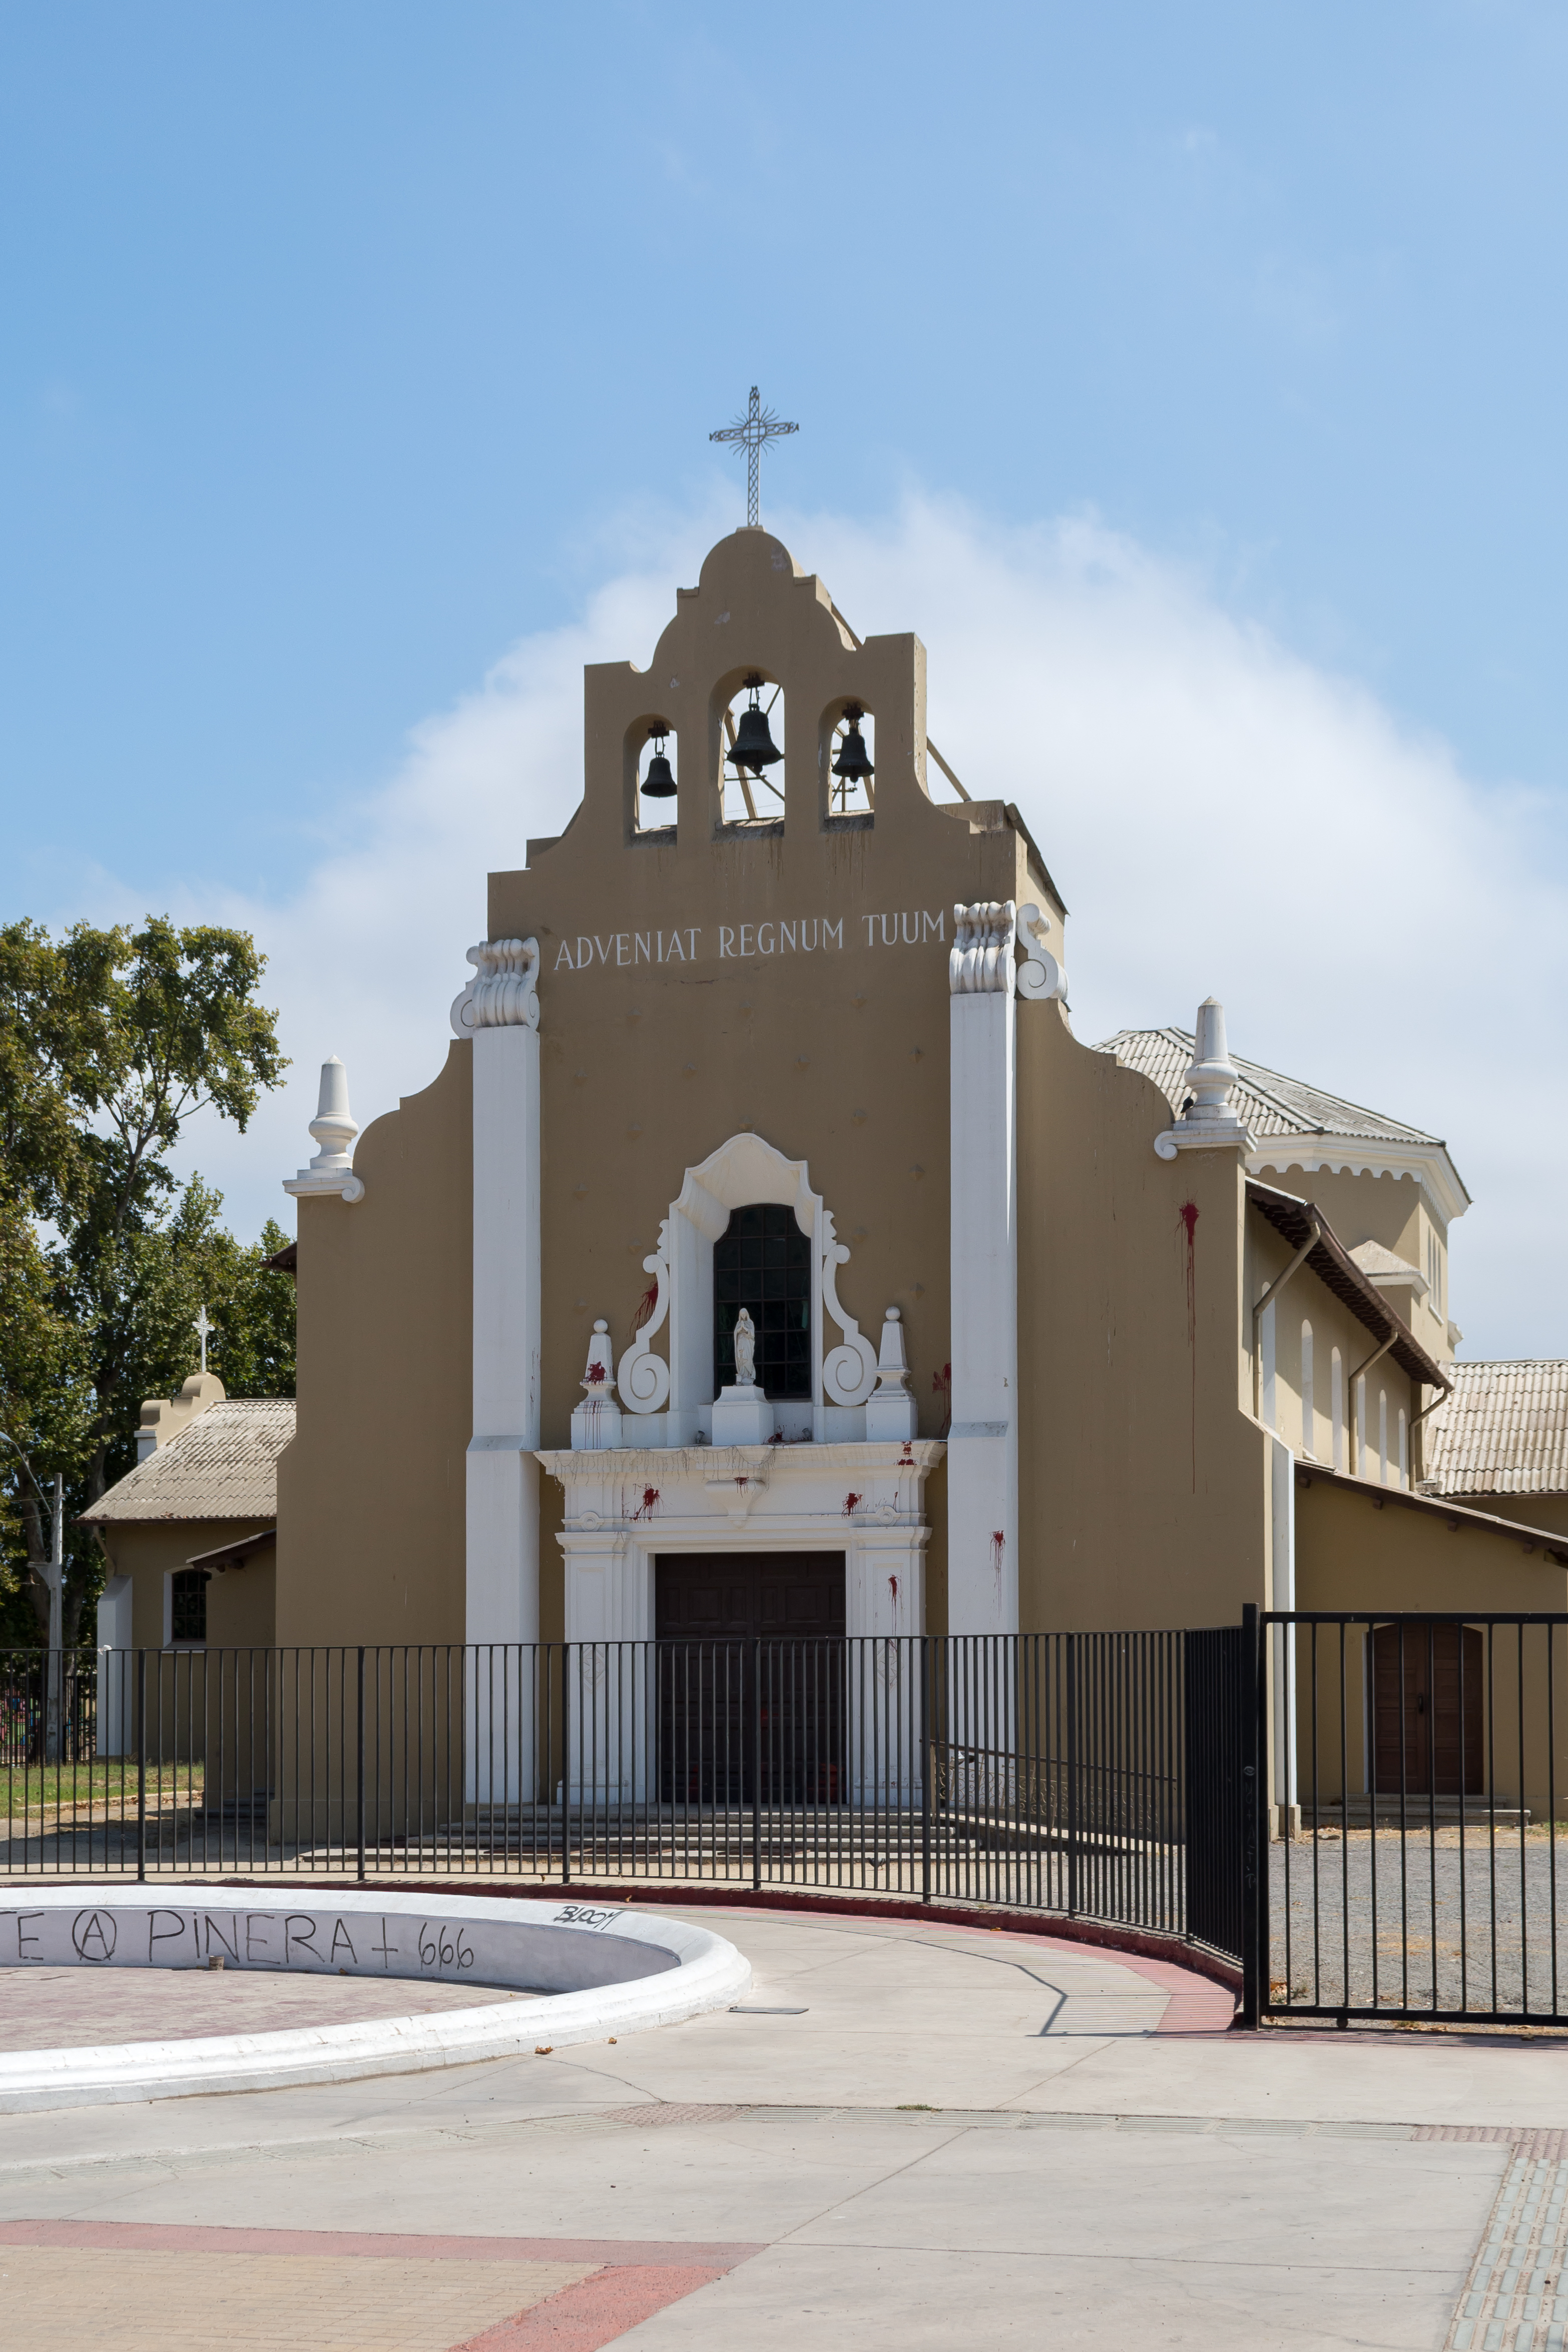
{"points": [[1039, 1333]]}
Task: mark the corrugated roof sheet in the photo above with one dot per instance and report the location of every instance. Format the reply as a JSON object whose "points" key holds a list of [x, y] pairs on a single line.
{"points": [[224, 1467], [1504, 1431], [1270, 1104]]}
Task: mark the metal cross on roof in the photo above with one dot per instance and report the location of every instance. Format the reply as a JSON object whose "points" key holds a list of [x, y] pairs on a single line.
{"points": [[752, 432], [203, 1330]]}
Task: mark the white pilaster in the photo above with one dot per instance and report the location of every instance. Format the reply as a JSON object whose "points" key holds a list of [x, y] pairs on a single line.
{"points": [[982, 1446], [500, 1012]]}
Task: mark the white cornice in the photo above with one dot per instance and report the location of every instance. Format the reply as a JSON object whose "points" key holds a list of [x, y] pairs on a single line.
{"points": [[1427, 1164]]}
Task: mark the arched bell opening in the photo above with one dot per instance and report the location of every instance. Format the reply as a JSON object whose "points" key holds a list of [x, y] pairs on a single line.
{"points": [[847, 764], [752, 753], [652, 775]]}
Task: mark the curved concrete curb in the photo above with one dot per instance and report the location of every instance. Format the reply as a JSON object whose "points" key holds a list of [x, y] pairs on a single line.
{"points": [[619, 1972]]}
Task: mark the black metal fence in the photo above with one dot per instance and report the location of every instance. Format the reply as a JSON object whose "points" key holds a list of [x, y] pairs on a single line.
{"points": [[1361, 1808], [1405, 1858], [1061, 1772]]}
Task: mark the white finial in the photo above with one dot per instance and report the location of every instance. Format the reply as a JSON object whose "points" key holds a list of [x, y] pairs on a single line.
{"points": [[334, 1127], [203, 1330], [599, 1375], [890, 1413], [1207, 1118]]}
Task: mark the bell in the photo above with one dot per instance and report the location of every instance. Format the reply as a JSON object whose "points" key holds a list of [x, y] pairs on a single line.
{"points": [[753, 746], [852, 763], [658, 784]]}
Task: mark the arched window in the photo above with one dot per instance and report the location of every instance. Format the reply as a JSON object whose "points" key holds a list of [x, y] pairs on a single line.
{"points": [[763, 1261], [1309, 1427], [1336, 1408]]}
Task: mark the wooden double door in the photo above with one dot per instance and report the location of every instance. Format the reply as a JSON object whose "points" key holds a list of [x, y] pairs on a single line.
{"points": [[750, 1677], [1429, 1711]]}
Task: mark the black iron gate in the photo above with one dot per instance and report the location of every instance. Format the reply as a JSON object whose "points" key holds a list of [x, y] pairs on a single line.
{"points": [[1409, 1862]]}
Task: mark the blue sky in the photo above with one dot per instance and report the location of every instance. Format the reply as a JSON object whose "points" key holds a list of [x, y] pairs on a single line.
{"points": [[350, 347]]}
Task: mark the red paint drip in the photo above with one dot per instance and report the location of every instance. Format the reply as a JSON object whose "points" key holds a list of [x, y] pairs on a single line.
{"points": [[942, 1385], [1188, 1213], [892, 1588], [648, 1504], [998, 1546], [851, 1503], [649, 1301]]}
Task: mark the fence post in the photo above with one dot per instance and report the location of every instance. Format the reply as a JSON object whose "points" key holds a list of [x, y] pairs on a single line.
{"points": [[140, 1766], [755, 1763], [1254, 1903], [359, 1751], [1071, 1774], [927, 1763], [566, 1764]]}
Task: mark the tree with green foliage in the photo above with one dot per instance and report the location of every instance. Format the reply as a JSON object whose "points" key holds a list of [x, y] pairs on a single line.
{"points": [[110, 1042]]}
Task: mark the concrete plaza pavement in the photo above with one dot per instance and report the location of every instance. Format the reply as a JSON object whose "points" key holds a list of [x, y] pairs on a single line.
{"points": [[907, 2135]]}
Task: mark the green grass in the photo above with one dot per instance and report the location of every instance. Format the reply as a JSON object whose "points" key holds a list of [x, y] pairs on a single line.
{"points": [[110, 1779]]}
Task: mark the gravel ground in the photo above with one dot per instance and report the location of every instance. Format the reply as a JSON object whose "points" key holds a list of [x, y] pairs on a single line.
{"points": [[1432, 1926]]}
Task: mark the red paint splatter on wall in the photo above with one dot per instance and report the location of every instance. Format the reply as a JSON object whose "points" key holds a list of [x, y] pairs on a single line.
{"points": [[851, 1504], [892, 1588], [648, 1505], [650, 1299], [596, 1372], [942, 1385], [1188, 1217], [999, 1548]]}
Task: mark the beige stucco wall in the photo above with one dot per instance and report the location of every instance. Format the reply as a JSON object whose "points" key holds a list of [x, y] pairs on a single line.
{"points": [[1143, 1487], [371, 1491], [1354, 1552], [1549, 1511]]}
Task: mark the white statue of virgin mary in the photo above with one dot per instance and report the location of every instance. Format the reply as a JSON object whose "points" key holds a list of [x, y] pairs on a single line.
{"points": [[745, 1349]]}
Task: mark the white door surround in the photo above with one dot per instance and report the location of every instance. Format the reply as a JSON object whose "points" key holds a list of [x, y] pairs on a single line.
{"points": [[625, 1507]]}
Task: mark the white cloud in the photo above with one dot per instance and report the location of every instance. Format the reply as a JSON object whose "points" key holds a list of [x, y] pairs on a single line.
{"points": [[1219, 813]]}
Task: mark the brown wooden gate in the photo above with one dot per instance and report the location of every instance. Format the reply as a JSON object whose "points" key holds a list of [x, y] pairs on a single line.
{"points": [[1428, 1718]]}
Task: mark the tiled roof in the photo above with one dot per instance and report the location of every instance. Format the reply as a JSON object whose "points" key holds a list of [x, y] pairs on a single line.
{"points": [[1504, 1431], [1270, 1104], [224, 1466]]}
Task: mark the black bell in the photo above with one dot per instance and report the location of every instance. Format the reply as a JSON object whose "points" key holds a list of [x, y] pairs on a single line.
{"points": [[658, 784], [852, 762], [753, 746]]}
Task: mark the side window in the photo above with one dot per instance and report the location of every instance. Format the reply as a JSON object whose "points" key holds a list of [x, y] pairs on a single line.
{"points": [[763, 1262], [188, 1614]]}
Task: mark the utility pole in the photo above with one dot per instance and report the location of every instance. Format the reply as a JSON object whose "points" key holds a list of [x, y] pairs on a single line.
{"points": [[52, 1708]]}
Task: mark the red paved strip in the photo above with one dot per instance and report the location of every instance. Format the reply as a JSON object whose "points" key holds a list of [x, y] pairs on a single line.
{"points": [[193, 2238], [594, 2312], [1196, 2006]]}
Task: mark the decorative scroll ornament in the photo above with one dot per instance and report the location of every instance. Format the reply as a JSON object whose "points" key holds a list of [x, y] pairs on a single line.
{"points": [[503, 994], [645, 1378], [1040, 976], [849, 1374], [981, 962]]}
